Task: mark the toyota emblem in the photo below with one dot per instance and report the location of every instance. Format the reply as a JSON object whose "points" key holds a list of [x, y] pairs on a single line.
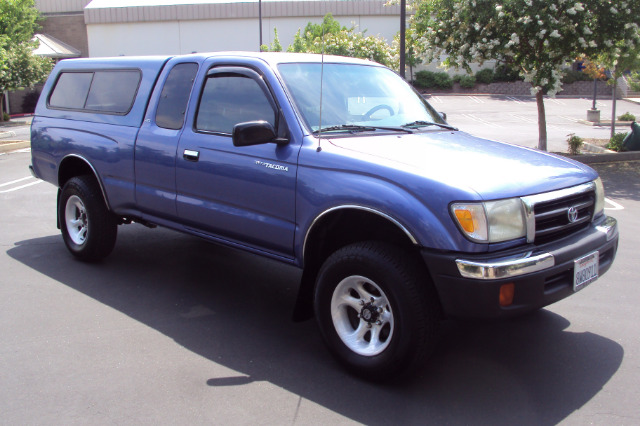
{"points": [[572, 214]]}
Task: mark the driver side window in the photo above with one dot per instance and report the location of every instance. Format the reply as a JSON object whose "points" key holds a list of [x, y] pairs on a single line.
{"points": [[229, 99]]}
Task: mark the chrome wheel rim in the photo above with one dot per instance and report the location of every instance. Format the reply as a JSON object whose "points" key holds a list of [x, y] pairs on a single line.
{"points": [[362, 315], [75, 217]]}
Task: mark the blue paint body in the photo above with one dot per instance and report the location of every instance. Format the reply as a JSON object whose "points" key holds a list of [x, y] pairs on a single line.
{"points": [[265, 198]]}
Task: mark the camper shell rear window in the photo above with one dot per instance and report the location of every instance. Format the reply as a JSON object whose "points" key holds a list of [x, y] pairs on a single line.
{"points": [[103, 91]]}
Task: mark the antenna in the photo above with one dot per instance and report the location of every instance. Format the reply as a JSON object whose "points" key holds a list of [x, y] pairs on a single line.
{"points": [[321, 80]]}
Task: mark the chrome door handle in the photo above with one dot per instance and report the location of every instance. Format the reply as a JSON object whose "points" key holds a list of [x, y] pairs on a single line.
{"points": [[191, 155]]}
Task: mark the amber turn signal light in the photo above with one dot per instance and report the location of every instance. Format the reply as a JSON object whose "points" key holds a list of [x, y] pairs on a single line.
{"points": [[506, 294]]}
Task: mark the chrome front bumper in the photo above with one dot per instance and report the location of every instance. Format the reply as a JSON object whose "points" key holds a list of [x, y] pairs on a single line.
{"points": [[523, 263]]}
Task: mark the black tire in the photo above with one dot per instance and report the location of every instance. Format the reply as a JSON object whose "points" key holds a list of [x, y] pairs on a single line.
{"points": [[404, 316], [88, 228]]}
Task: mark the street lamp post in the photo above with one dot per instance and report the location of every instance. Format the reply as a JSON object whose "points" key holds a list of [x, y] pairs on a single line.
{"points": [[593, 114], [260, 24], [403, 25]]}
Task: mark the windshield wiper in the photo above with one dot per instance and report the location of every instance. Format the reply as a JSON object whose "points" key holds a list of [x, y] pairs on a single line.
{"points": [[421, 123], [359, 128]]}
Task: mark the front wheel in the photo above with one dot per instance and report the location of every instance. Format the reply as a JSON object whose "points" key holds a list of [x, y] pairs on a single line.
{"points": [[377, 309], [88, 228]]}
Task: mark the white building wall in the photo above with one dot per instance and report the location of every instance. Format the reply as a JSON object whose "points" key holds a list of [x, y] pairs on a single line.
{"points": [[180, 37], [140, 38]]}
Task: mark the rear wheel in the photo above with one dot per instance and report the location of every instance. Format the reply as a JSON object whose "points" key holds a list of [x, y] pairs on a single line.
{"points": [[377, 309], [88, 228]]}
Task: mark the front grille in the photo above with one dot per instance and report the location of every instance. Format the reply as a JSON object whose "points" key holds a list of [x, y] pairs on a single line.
{"points": [[553, 219]]}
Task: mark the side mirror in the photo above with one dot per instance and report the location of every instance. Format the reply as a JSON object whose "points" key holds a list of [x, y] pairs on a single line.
{"points": [[443, 115], [253, 133]]}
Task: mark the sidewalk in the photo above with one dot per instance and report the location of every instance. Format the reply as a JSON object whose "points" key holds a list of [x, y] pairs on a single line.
{"points": [[9, 141]]}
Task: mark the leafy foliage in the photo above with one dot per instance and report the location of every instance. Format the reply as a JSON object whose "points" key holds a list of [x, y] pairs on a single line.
{"points": [[627, 116], [570, 76], [575, 143], [275, 45], [485, 76], [505, 73], [615, 143], [19, 68], [18, 21], [430, 79], [332, 38], [468, 81]]}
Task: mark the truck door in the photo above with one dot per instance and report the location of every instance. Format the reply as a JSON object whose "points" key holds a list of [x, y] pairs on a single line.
{"points": [[157, 142], [241, 195]]}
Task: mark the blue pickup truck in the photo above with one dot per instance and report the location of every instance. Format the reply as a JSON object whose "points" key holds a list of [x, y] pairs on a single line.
{"points": [[331, 164]]}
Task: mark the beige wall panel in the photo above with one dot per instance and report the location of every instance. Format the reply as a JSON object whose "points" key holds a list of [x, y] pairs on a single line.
{"points": [[152, 38]]}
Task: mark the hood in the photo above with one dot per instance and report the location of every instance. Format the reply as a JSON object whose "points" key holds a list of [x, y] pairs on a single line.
{"points": [[491, 169]]}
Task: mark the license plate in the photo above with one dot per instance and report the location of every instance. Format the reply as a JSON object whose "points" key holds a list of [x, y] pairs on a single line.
{"points": [[585, 270]]}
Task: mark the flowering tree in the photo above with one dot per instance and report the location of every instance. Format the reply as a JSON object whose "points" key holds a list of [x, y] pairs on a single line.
{"points": [[331, 38], [538, 37]]}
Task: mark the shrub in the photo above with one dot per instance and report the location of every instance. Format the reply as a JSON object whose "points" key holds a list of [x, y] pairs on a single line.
{"points": [[467, 81], [506, 74], [615, 143], [634, 81], [484, 76], [425, 79], [575, 143], [627, 116], [456, 78], [443, 80], [429, 79], [570, 76]]}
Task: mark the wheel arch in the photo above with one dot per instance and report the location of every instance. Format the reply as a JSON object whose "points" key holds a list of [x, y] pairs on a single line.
{"points": [[335, 228], [76, 165]]}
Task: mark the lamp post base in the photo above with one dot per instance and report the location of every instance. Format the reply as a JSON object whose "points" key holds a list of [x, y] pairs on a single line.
{"points": [[593, 115]]}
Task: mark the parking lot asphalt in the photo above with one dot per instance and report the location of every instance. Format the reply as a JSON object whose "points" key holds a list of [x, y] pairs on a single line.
{"points": [[515, 119], [173, 330]]}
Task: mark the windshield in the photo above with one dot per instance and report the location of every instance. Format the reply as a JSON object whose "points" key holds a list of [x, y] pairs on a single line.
{"points": [[355, 95]]}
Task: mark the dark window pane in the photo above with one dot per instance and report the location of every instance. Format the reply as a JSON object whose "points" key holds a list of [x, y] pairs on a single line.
{"points": [[113, 91], [174, 96], [71, 90], [230, 99]]}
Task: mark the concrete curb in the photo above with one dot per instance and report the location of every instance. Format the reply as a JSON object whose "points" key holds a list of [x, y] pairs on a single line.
{"points": [[588, 148], [8, 146]]}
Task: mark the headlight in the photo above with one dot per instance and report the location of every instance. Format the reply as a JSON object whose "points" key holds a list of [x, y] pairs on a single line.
{"points": [[599, 207], [491, 221]]}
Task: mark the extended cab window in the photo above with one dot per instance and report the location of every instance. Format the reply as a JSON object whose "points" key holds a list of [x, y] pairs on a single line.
{"points": [[229, 99], [110, 91], [175, 95]]}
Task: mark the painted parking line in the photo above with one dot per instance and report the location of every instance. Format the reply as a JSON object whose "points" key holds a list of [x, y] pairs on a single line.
{"points": [[436, 99], [476, 99], [482, 121], [516, 100], [614, 205], [572, 119], [530, 120], [555, 101], [17, 181]]}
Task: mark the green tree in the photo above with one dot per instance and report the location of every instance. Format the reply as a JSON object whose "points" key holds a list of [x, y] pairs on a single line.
{"points": [[537, 37], [412, 59], [620, 58], [333, 39], [18, 21], [275, 45], [19, 68]]}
